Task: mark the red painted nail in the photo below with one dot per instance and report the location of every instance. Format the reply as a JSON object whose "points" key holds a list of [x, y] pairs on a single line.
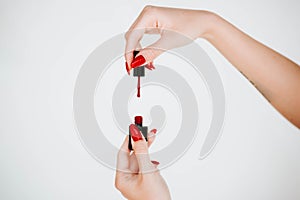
{"points": [[155, 162], [135, 133], [127, 68], [148, 67], [154, 131], [151, 65], [138, 61]]}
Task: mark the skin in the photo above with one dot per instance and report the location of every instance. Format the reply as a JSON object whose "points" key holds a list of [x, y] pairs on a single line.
{"points": [[137, 177], [274, 75]]}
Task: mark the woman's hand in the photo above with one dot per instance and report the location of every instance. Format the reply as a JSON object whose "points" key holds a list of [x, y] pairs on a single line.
{"points": [[177, 27], [137, 177], [274, 75]]}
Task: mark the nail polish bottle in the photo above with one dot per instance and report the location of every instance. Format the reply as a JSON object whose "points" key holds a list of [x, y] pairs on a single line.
{"points": [[138, 121], [138, 72]]}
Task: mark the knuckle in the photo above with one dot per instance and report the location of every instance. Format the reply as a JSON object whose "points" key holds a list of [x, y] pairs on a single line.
{"points": [[147, 8], [140, 147], [150, 54], [126, 36]]}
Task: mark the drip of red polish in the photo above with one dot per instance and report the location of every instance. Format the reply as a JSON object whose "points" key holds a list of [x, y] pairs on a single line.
{"points": [[139, 87], [135, 133]]}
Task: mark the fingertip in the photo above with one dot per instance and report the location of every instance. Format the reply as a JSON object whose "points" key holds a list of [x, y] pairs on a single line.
{"points": [[155, 163], [138, 61], [136, 133], [150, 66], [154, 130], [151, 136], [129, 54], [127, 68]]}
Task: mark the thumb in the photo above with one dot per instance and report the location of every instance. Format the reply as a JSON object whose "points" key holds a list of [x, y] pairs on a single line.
{"points": [[140, 148]]}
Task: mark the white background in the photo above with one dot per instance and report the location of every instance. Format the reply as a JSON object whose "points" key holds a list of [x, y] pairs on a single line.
{"points": [[42, 47]]}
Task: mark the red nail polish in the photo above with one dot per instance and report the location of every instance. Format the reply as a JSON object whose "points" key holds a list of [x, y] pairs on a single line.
{"points": [[155, 162], [154, 131], [127, 68], [151, 65], [138, 61], [135, 133], [148, 66]]}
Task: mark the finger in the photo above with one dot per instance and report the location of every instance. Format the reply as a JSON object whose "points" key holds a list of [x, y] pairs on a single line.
{"points": [[123, 157], [143, 23], [132, 42], [151, 136], [133, 164], [140, 148], [168, 40], [153, 51], [150, 66], [155, 163]]}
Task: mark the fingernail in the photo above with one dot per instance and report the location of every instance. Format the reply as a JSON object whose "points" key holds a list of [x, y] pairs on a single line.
{"points": [[135, 133], [138, 61], [127, 68], [155, 162], [154, 131], [148, 67], [151, 65]]}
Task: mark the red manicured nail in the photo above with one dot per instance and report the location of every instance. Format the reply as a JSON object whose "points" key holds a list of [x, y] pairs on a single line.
{"points": [[127, 68], [154, 131], [135, 133], [155, 162], [138, 61], [151, 65], [148, 67]]}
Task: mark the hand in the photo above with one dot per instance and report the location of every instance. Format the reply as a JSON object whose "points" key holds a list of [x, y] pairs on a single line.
{"points": [[275, 76], [137, 177], [177, 27]]}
